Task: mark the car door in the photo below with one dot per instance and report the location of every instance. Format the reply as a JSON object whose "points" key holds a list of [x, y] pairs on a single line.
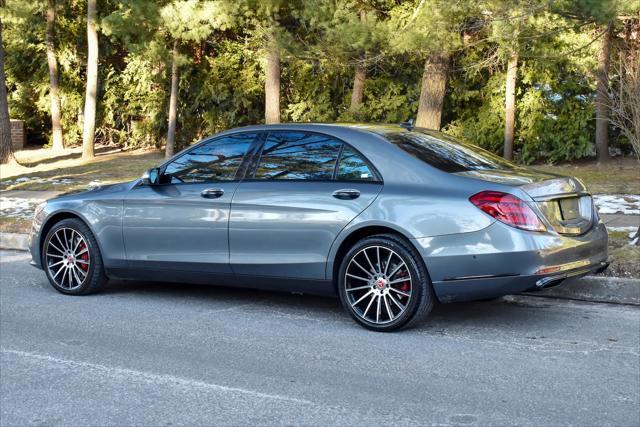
{"points": [[182, 223], [303, 189]]}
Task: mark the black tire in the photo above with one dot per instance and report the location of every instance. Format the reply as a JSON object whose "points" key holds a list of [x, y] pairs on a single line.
{"points": [[421, 299], [91, 260]]}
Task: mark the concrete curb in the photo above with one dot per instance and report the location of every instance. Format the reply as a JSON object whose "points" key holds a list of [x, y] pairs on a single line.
{"points": [[14, 241], [611, 290]]}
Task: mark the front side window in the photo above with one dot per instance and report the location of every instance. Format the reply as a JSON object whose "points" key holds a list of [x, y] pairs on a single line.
{"points": [[447, 153], [352, 167], [298, 155], [217, 160]]}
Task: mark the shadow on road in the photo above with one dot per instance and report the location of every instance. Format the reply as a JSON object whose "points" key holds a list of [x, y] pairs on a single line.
{"points": [[478, 314]]}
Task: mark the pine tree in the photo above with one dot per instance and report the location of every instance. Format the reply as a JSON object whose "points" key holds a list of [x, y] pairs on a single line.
{"points": [[91, 93], [52, 62], [6, 149]]}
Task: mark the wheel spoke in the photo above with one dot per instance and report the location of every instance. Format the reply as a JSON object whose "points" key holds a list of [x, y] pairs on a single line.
{"points": [[55, 247], [54, 256], [395, 270], [404, 279], [386, 304], [373, 297], [81, 261], [386, 266], [75, 275], [58, 272], [64, 274], [81, 252], [361, 298], [379, 270], [396, 303], [378, 309], [56, 263], [84, 274], [66, 239], [361, 267], [59, 240], [369, 261], [400, 292], [359, 288], [77, 243], [357, 277]]}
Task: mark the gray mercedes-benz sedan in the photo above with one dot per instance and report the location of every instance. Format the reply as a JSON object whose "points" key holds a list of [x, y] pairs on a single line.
{"points": [[388, 217]]}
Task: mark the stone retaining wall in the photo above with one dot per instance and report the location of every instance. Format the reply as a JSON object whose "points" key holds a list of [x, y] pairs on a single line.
{"points": [[18, 135]]}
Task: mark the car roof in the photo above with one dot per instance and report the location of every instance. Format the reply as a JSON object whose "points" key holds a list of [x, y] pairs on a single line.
{"points": [[378, 128]]}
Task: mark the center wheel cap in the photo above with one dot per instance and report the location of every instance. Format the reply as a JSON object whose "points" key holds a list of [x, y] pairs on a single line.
{"points": [[381, 283]]}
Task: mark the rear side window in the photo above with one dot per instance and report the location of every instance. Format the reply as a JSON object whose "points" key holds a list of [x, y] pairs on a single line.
{"points": [[217, 160], [352, 167], [446, 153], [298, 155]]}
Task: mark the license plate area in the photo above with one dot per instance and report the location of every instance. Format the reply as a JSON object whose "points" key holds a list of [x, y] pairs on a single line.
{"points": [[569, 215], [569, 208]]}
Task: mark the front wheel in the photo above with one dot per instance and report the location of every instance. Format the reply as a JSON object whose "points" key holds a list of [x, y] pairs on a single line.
{"points": [[71, 258], [383, 284]]}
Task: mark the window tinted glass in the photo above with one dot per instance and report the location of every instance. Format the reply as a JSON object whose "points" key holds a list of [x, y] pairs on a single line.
{"points": [[298, 155], [446, 153], [217, 160], [353, 167]]}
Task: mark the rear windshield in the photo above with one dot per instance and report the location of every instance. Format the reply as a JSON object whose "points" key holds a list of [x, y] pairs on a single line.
{"points": [[445, 152]]}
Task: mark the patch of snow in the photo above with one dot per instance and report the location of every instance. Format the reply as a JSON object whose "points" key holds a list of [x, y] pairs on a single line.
{"points": [[54, 181], [18, 207], [94, 184], [631, 230], [628, 204]]}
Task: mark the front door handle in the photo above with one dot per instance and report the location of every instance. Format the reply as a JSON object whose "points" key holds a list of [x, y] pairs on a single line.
{"points": [[212, 193], [346, 194]]}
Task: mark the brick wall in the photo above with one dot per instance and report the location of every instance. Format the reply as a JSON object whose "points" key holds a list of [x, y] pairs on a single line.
{"points": [[18, 136]]}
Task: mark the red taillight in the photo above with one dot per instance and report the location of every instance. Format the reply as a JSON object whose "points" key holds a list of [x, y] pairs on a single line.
{"points": [[509, 209]]}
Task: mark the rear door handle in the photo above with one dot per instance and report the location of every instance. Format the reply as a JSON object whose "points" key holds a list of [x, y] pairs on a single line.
{"points": [[212, 193], [346, 194]]}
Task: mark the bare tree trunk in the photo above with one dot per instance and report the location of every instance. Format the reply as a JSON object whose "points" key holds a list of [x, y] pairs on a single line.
{"points": [[602, 99], [6, 149], [56, 126], [358, 88], [272, 87], [510, 106], [434, 81], [88, 134], [173, 104]]}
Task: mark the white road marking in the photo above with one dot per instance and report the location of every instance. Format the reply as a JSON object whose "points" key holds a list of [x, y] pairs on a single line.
{"points": [[149, 377]]}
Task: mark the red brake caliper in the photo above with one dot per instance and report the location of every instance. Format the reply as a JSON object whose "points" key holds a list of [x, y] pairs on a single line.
{"points": [[84, 256], [404, 286]]}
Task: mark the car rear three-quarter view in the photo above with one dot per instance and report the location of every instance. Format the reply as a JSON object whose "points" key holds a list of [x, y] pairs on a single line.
{"points": [[390, 218]]}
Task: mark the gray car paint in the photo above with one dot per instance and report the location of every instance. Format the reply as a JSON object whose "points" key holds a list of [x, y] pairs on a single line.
{"points": [[294, 230]]}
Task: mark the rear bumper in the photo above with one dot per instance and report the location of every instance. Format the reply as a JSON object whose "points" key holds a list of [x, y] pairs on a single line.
{"points": [[501, 260]]}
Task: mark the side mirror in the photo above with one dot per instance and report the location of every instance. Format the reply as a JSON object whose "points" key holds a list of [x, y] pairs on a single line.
{"points": [[151, 177]]}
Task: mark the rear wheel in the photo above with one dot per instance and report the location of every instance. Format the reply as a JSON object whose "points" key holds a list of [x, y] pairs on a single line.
{"points": [[384, 285], [72, 259]]}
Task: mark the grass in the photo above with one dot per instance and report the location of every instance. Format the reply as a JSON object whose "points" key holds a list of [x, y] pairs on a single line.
{"points": [[620, 176], [625, 258], [15, 225], [109, 166]]}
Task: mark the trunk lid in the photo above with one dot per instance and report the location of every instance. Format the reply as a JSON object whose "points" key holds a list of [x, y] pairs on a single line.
{"points": [[563, 201]]}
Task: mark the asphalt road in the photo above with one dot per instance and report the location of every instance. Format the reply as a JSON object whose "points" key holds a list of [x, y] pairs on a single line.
{"points": [[157, 354]]}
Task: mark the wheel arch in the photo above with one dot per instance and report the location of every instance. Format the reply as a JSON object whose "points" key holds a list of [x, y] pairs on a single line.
{"points": [[55, 218], [354, 236]]}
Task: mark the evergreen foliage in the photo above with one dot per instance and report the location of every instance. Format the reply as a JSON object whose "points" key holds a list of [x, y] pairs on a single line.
{"points": [[221, 62]]}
